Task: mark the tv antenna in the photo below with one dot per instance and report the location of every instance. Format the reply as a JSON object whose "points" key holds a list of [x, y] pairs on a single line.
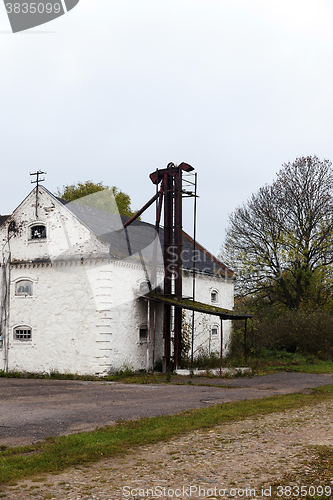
{"points": [[37, 181]]}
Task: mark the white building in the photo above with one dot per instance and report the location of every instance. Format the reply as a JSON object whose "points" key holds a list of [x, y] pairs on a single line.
{"points": [[72, 290]]}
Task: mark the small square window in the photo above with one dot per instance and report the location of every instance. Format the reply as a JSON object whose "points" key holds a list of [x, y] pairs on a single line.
{"points": [[37, 232], [215, 331], [22, 333], [143, 333]]}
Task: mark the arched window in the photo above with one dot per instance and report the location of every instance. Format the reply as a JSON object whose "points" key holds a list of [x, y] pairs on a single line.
{"points": [[214, 296], [37, 232], [23, 288], [215, 331], [23, 333]]}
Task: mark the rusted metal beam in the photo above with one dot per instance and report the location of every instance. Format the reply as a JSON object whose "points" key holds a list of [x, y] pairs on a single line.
{"points": [[157, 176], [177, 255], [167, 254], [139, 212]]}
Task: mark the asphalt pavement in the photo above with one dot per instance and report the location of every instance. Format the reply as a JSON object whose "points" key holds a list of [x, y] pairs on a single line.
{"points": [[32, 409]]}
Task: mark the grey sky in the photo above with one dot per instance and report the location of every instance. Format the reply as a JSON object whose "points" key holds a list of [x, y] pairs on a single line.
{"points": [[117, 88]]}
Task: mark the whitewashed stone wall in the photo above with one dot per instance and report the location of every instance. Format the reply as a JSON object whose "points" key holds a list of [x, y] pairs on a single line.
{"points": [[84, 318], [204, 341], [85, 314]]}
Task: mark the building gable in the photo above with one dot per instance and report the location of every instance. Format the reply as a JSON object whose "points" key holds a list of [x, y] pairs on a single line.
{"points": [[52, 232]]}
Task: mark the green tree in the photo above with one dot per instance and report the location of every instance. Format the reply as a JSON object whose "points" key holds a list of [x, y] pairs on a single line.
{"points": [[109, 199], [280, 241]]}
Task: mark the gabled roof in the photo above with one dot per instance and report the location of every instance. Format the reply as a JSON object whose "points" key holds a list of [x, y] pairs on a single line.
{"points": [[136, 241], [139, 236]]}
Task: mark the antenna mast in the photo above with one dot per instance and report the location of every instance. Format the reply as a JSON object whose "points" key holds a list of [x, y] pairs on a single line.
{"points": [[37, 181]]}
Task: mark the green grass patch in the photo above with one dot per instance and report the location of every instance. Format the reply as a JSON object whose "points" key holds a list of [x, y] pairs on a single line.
{"points": [[273, 361], [277, 361], [265, 362], [56, 454]]}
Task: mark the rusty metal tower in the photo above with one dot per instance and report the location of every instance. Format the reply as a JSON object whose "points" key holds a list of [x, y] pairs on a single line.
{"points": [[171, 179]]}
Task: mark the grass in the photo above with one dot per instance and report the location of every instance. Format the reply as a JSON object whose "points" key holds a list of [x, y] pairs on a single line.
{"points": [[268, 362], [56, 454], [277, 361], [273, 361]]}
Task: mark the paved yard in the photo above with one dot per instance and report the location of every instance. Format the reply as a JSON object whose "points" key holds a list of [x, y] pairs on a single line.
{"points": [[34, 409]]}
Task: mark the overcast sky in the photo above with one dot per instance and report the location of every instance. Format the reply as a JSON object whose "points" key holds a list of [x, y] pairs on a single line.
{"points": [[117, 88]]}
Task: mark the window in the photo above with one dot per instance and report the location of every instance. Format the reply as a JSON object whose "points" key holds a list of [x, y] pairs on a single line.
{"points": [[214, 296], [144, 287], [37, 232], [22, 333], [215, 331], [143, 333], [23, 288]]}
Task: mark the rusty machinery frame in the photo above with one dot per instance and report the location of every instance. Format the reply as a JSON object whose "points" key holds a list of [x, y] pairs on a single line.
{"points": [[170, 180]]}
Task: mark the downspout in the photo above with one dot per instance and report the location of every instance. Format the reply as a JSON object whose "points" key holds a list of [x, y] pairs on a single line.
{"points": [[6, 344], [5, 306], [221, 346]]}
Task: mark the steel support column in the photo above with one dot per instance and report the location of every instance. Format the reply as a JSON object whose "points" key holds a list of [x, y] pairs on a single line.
{"points": [[168, 263], [178, 272]]}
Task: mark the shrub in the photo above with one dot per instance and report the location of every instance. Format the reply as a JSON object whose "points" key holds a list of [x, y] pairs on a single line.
{"points": [[308, 332]]}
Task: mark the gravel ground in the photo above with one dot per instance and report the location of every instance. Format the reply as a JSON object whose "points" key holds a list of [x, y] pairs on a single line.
{"points": [[231, 458]]}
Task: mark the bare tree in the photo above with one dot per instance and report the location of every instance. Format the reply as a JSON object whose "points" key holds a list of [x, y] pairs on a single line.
{"points": [[280, 241]]}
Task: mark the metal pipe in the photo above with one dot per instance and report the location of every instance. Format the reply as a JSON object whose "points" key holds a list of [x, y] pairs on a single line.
{"points": [[132, 219], [221, 347], [245, 347], [194, 260], [167, 190], [177, 257], [159, 203], [148, 328], [154, 336]]}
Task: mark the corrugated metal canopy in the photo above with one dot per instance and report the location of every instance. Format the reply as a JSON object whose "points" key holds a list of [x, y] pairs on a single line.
{"points": [[193, 305]]}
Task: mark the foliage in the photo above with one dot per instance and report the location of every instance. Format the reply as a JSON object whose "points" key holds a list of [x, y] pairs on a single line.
{"points": [[305, 332], [280, 241], [109, 199], [186, 337], [207, 361]]}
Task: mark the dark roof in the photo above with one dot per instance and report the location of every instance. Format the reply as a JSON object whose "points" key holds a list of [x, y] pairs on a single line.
{"points": [[3, 219], [193, 305], [139, 237]]}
